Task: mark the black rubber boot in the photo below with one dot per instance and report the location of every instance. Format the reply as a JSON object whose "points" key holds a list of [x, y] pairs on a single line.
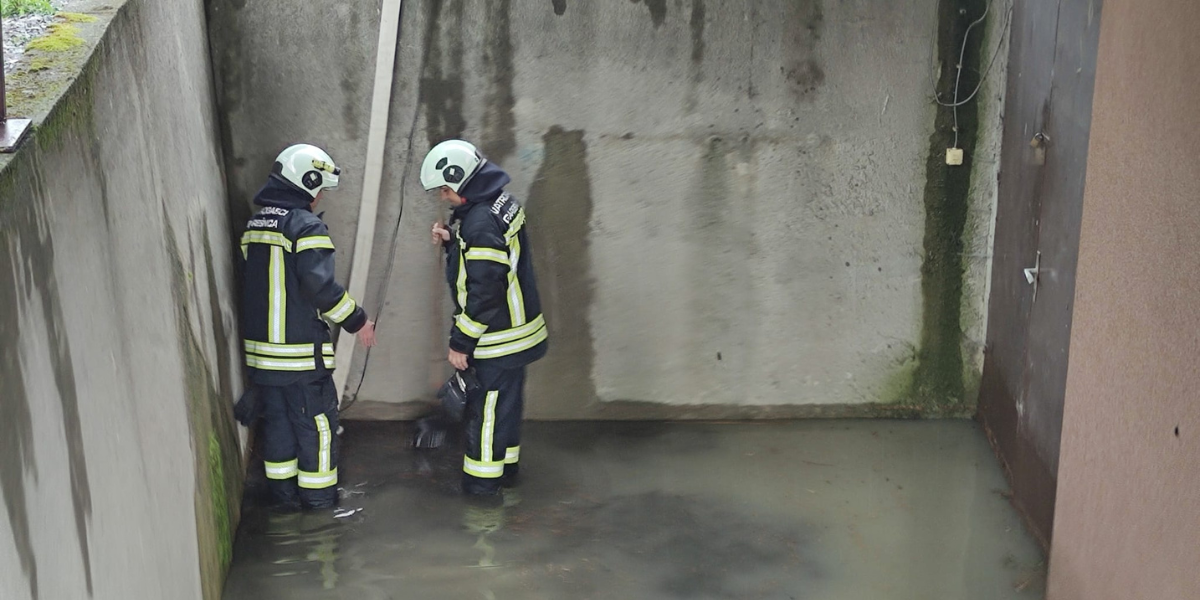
{"points": [[283, 495], [477, 486], [511, 475]]}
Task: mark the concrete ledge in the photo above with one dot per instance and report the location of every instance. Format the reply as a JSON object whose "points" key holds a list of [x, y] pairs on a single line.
{"points": [[43, 79]]}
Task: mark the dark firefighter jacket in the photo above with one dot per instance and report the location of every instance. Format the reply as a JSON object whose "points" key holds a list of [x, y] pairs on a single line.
{"points": [[289, 288], [498, 316]]}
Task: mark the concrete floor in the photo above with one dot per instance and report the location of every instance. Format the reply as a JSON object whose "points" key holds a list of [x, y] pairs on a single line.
{"points": [[816, 510]]}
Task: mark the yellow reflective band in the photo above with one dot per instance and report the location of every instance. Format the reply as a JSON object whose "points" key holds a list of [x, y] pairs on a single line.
{"points": [[488, 254], [512, 455], [483, 469], [277, 289], [516, 333], [245, 251], [329, 362], [512, 347], [317, 481], [313, 242], [342, 310], [517, 223], [461, 283], [281, 350], [470, 326], [281, 470], [489, 426], [323, 443], [516, 300], [273, 238], [327, 349], [280, 364]]}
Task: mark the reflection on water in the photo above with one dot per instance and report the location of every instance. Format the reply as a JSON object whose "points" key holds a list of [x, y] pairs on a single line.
{"points": [[825, 510]]}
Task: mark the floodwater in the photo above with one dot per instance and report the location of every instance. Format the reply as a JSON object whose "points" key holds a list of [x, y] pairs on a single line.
{"points": [[820, 510]]}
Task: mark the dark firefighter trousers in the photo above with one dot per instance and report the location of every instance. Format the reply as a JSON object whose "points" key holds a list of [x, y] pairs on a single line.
{"points": [[493, 429], [300, 449]]}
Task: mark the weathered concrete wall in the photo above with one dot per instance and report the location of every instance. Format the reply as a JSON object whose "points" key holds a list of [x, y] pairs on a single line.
{"points": [[738, 208], [1128, 519], [119, 475], [1041, 190]]}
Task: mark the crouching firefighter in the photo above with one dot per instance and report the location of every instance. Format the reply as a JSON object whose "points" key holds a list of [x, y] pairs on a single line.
{"points": [[498, 326], [287, 296]]}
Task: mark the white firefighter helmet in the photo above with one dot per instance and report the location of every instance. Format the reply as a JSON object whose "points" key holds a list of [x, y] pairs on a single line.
{"points": [[308, 168], [451, 163]]}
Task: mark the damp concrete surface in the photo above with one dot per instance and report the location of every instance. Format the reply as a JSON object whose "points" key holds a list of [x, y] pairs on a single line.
{"points": [[823, 510]]}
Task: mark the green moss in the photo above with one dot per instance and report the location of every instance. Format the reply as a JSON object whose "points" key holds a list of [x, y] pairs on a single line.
{"points": [[62, 36], [938, 380], [898, 388], [73, 114], [76, 17], [220, 501]]}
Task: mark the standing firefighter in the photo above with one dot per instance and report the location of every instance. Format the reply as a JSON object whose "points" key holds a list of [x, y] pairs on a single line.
{"points": [[288, 288], [498, 325]]}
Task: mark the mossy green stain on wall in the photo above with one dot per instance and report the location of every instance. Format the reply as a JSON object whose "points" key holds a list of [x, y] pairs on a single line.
{"points": [[219, 497], [938, 382], [214, 437]]}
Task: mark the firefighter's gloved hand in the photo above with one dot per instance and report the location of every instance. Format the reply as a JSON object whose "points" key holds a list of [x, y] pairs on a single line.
{"points": [[248, 408]]}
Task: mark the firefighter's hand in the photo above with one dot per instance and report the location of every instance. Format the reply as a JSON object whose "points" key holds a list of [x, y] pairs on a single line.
{"points": [[366, 335], [458, 359], [440, 234]]}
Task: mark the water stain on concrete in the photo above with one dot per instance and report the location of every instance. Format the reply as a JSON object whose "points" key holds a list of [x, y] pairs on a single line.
{"points": [[802, 70], [722, 217], [220, 327], [560, 7], [499, 125], [16, 428], [560, 211], [441, 87], [210, 422], [938, 381], [41, 271], [697, 24], [32, 257], [713, 188], [658, 10], [351, 81]]}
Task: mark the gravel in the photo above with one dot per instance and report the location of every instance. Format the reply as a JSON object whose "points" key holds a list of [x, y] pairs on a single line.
{"points": [[18, 31]]}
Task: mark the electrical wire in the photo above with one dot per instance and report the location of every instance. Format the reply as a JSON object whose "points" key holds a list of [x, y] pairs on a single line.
{"points": [[1000, 44], [961, 57], [387, 276], [1006, 33]]}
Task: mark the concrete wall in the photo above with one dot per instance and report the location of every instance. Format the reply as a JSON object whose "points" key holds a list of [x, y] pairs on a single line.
{"points": [[1052, 66], [737, 208], [119, 475], [1128, 519]]}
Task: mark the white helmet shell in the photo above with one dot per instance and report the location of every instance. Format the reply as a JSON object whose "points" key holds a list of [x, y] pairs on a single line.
{"points": [[451, 163], [307, 167]]}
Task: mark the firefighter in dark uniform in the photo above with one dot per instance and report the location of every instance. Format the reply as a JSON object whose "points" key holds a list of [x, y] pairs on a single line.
{"points": [[288, 295], [498, 326]]}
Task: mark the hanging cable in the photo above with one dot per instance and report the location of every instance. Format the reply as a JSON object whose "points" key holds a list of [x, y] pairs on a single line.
{"points": [[387, 274], [961, 57], [1005, 32]]}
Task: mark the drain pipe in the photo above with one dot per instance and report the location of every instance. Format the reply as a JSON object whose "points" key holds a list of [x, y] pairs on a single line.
{"points": [[364, 240]]}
